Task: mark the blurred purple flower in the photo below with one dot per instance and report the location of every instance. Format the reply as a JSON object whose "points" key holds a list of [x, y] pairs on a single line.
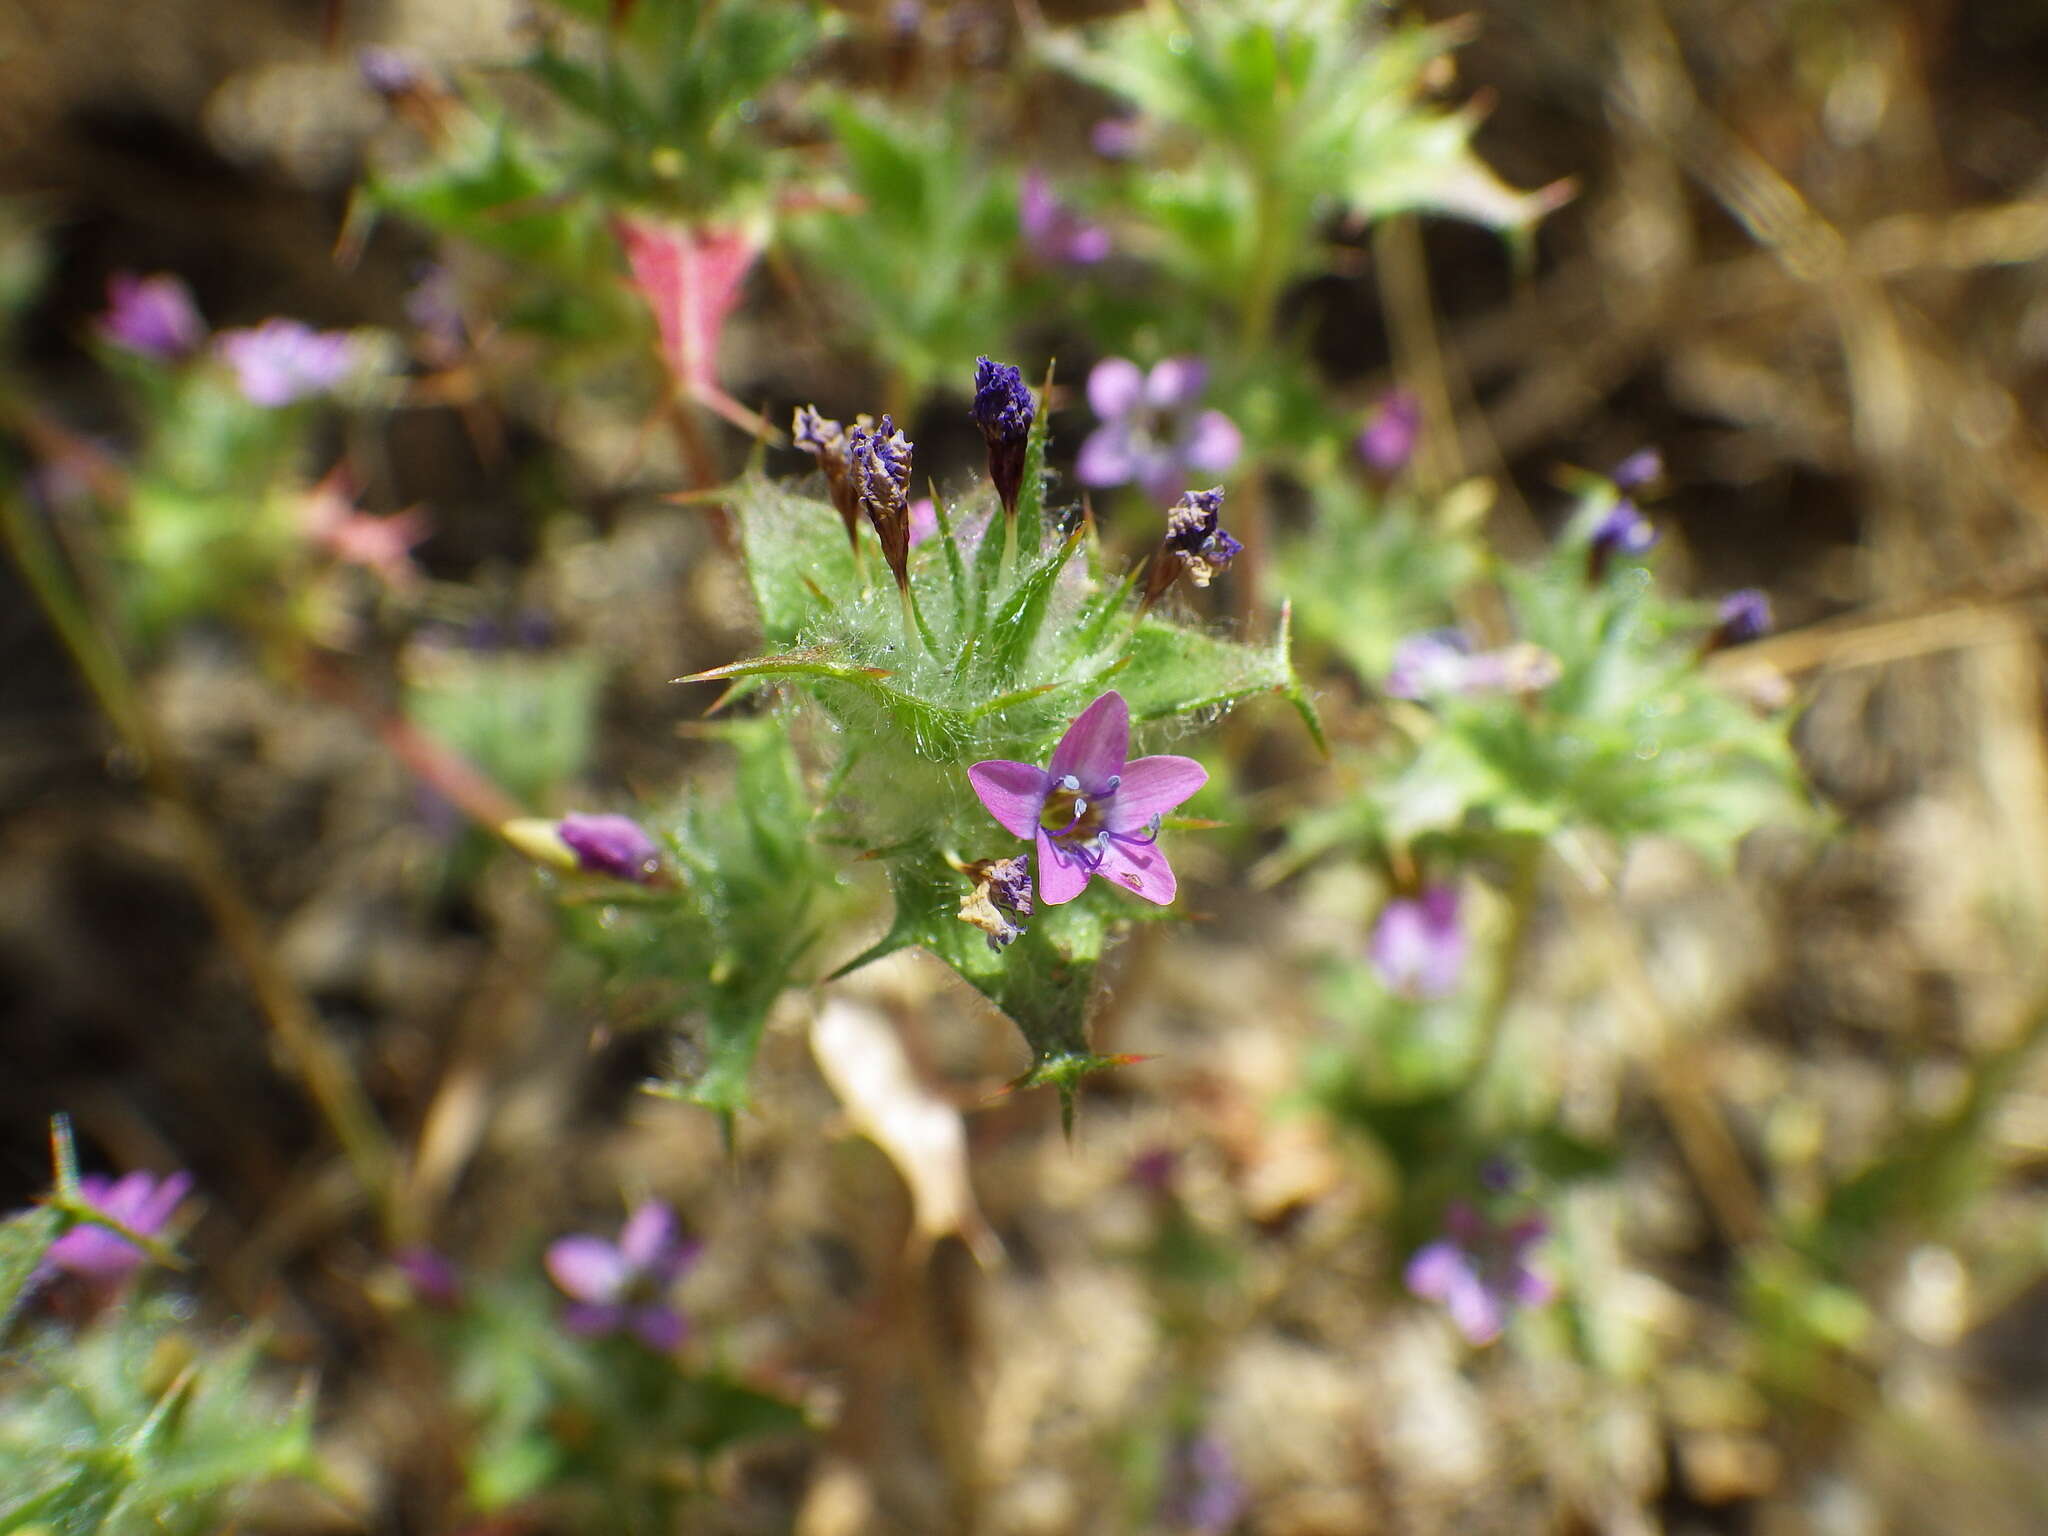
{"points": [[1388, 441], [1479, 1269], [1638, 470], [1623, 530], [1745, 616], [1429, 665], [1054, 233], [1418, 944], [151, 317], [283, 361], [1155, 1170], [139, 1201], [1092, 811], [624, 1286], [431, 1275], [1440, 663], [1202, 1492], [924, 521], [1117, 138], [610, 845], [387, 71], [433, 306], [1152, 431]]}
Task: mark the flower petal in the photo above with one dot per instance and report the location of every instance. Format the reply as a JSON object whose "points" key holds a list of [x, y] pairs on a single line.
{"points": [[1013, 793], [1096, 746], [1212, 443], [1139, 868], [586, 1268], [1107, 457], [1176, 382], [592, 1322], [1475, 1309], [1061, 876], [648, 1236], [1115, 386], [154, 1211], [1153, 786], [1434, 1269], [661, 1329]]}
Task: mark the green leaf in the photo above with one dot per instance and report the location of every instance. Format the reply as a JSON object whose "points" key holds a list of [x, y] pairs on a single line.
{"points": [[24, 1238], [1014, 630], [1031, 490], [796, 554]]}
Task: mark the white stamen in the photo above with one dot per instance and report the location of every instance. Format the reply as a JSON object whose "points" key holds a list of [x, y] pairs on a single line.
{"points": [[1070, 783]]}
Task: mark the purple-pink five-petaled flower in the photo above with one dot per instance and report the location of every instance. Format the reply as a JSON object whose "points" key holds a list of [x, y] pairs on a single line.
{"points": [[139, 1201], [1153, 431], [151, 316], [1418, 944], [1092, 811], [284, 361], [1480, 1270], [624, 1286]]}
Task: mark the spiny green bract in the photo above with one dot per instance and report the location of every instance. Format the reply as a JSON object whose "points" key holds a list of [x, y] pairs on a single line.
{"points": [[135, 1425]]}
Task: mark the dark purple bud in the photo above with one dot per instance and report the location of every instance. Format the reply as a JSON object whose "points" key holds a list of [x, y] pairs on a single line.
{"points": [[431, 1276], [1638, 470], [1003, 409], [1623, 531], [1391, 432], [610, 845], [1745, 616], [826, 441], [1155, 1169], [1193, 543], [879, 459], [151, 316]]}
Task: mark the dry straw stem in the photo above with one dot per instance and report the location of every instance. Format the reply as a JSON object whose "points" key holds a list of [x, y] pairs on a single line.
{"points": [[315, 1059]]}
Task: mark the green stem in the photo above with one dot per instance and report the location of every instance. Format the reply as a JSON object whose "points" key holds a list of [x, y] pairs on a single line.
{"points": [[1524, 885], [319, 1063]]}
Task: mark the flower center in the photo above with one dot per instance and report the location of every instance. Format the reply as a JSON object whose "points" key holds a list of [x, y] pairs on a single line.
{"points": [[1071, 814]]}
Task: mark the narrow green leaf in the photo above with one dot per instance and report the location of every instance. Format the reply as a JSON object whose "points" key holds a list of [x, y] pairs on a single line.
{"points": [[1015, 629], [1031, 492], [24, 1239]]}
